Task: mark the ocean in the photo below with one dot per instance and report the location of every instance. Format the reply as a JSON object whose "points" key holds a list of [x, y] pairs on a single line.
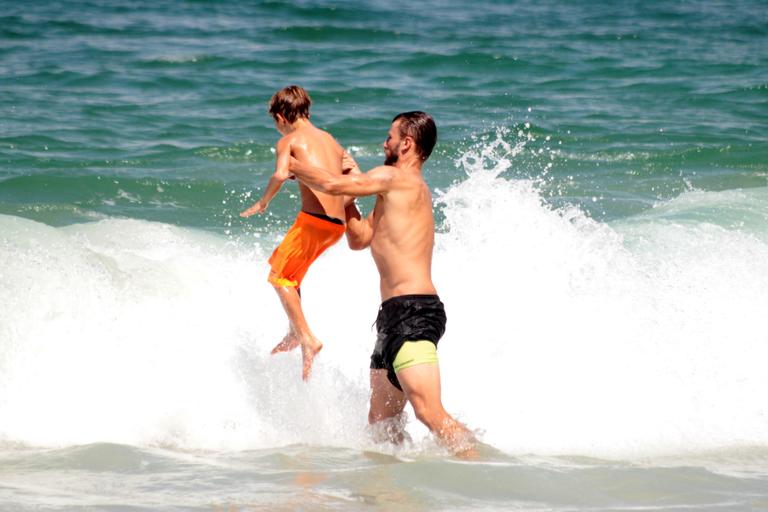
{"points": [[600, 187]]}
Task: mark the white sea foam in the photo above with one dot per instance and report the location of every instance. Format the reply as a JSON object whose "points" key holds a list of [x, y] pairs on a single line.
{"points": [[565, 335], [572, 336], [140, 333]]}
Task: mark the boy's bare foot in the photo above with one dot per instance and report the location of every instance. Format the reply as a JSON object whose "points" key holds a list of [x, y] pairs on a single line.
{"points": [[288, 343], [310, 346]]}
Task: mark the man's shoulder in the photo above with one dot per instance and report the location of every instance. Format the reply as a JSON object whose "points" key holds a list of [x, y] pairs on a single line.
{"points": [[384, 170], [395, 177], [406, 175]]}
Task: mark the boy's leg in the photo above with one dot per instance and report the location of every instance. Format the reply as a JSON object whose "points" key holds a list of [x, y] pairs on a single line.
{"points": [[291, 340], [421, 384], [299, 332], [303, 243]]}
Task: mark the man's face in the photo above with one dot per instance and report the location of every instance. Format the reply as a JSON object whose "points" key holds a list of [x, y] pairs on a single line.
{"points": [[392, 145]]}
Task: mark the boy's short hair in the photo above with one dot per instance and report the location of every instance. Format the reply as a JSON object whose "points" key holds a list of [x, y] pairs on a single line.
{"points": [[421, 127], [291, 102]]}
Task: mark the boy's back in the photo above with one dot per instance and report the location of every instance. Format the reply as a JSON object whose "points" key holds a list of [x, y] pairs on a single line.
{"points": [[311, 145], [318, 225]]}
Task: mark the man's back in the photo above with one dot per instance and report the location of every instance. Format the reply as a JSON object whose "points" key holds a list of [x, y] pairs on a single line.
{"points": [[313, 146], [403, 235]]}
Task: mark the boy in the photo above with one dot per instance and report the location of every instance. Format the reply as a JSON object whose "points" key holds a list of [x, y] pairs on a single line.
{"points": [[319, 224]]}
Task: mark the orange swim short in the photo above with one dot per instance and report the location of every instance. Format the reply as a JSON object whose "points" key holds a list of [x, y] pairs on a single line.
{"points": [[303, 243]]}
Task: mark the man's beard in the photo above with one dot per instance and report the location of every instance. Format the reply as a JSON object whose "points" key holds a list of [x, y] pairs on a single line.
{"points": [[390, 157]]}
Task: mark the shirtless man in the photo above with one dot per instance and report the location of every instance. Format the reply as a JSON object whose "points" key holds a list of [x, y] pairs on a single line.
{"points": [[318, 225], [400, 232]]}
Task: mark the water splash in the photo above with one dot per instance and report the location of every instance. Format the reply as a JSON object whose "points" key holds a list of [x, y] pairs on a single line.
{"points": [[565, 335]]}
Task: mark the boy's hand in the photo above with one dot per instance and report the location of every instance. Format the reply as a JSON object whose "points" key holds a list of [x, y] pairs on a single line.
{"points": [[348, 164], [259, 207]]}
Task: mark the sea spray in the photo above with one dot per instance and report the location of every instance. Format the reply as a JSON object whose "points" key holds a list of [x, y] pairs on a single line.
{"points": [[565, 335], [147, 334]]}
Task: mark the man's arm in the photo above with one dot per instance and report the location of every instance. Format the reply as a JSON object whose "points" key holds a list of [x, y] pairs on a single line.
{"points": [[376, 181], [359, 230], [282, 173]]}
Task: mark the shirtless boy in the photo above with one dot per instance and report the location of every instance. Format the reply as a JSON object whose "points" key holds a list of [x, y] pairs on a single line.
{"points": [[318, 225], [400, 232]]}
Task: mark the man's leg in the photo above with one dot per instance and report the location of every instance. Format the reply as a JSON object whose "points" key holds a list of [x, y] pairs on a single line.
{"points": [[421, 384], [385, 412], [299, 332]]}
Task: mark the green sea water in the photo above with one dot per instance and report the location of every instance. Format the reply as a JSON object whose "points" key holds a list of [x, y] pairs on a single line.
{"points": [[157, 110], [601, 190]]}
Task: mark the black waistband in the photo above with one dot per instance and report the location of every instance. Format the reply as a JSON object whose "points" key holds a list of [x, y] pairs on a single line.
{"points": [[326, 217], [415, 297]]}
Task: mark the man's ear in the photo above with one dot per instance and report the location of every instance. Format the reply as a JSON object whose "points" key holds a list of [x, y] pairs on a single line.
{"points": [[280, 119], [406, 144]]}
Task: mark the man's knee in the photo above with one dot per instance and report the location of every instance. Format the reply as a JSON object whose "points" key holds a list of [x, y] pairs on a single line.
{"points": [[379, 415], [386, 400], [422, 387], [431, 415], [422, 412], [375, 416], [389, 429]]}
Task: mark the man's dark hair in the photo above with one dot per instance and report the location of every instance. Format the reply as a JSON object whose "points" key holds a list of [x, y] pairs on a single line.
{"points": [[421, 128], [291, 102]]}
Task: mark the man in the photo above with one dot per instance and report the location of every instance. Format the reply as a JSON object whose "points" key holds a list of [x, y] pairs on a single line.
{"points": [[318, 225], [400, 232]]}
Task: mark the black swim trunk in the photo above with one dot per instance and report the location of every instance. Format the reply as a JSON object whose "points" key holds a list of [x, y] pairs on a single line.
{"points": [[405, 318]]}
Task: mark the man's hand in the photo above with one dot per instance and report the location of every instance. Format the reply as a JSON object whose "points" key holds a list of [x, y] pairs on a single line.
{"points": [[259, 207]]}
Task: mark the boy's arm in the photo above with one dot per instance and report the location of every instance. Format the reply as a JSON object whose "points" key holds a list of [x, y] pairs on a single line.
{"points": [[359, 230], [282, 173], [378, 180]]}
